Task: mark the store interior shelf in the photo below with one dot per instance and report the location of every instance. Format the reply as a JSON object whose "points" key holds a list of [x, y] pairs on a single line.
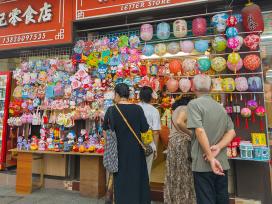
{"points": [[217, 75], [178, 93]]}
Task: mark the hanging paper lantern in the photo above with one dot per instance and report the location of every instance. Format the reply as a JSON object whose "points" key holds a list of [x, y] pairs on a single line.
{"points": [[241, 41], [172, 85], [160, 49], [204, 64], [217, 84], [241, 84], [134, 41], [232, 21], [219, 44], [246, 112], [184, 85], [173, 48], [148, 50], [252, 104], [228, 84], [219, 21], [235, 67], [252, 62], [231, 32], [175, 66], [189, 65], [218, 64], [201, 45], [180, 28], [255, 84], [146, 32], [252, 18], [233, 43], [163, 31], [252, 41], [199, 26], [234, 58], [187, 46], [260, 111]]}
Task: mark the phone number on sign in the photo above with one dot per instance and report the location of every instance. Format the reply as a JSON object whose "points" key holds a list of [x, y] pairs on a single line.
{"points": [[23, 38]]}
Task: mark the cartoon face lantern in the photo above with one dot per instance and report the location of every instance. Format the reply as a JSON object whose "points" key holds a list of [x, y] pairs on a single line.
{"points": [[102, 70], [219, 21], [163, 31], [180, 28], [146, 32]]}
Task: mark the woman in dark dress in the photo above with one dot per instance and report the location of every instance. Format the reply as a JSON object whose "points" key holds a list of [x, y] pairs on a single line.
{"points": [[131, 183]]}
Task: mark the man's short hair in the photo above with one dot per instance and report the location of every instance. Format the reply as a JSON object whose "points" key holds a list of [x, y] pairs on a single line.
{"points": [[202, 83], [146, 94]]}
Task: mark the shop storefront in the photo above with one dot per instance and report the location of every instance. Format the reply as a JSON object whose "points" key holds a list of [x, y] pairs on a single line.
{"points": [[68, 63]]}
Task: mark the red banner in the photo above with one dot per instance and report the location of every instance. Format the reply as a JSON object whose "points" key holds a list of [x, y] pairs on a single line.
{"points": [[28, 23], [96, 8]]}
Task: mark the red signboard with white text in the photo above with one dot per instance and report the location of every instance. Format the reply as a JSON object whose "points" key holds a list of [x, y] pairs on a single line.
{"points": [[86, 9], [28, 23]]}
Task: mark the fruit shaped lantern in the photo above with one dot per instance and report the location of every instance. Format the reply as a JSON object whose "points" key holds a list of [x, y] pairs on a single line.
{"points": [[189, 66], [241, 84], [260, 112], [252, 41], [184, 85], [255, 84], [252, 62], [148, 50], [180, 28], [218, 64], [246, 113], [163, 31], [146, 32], [235, 67], [219, 44], [160, 49], [204, 64], [201, 45], [175, 66], [172, 85], [173, 48], [199, 26], [219, 21], [187, 46], [252, 18]]}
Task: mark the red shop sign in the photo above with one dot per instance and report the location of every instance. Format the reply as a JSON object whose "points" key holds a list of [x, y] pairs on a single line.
{"points": [[96, 8], [28, 23]]}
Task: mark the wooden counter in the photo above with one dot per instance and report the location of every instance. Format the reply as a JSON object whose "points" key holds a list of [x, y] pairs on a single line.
{"points": [[92, 172]]}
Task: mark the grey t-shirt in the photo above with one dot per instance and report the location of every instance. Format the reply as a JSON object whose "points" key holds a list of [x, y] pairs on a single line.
{"points": [[206, 113]]}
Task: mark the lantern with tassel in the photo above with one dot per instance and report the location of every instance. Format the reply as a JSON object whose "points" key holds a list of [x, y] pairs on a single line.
{"points": [[260, 111], [246, 113]]}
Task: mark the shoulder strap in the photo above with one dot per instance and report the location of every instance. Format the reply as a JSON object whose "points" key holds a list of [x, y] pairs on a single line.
{"points": [[129, 126]]}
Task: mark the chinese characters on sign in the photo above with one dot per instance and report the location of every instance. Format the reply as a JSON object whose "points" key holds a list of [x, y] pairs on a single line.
{"points": [[14, 16]]}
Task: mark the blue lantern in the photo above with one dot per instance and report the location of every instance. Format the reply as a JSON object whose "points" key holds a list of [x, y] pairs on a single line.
{"points": [[201, 45], [148, 50], [163, 31], [231, 32], [204, 64]]}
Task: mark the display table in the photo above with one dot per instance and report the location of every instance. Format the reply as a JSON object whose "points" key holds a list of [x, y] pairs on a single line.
{"points": [[92, 171]]}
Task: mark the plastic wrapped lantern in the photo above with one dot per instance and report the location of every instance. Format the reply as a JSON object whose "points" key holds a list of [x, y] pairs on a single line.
{"points": [[233, 43], [252, 105], [189, 66], [232, 21], [199, 26], [219, 21], [252, 62], [146, 32], [204, 64], [231, 32], [252, 18], [218, 64], [252, 41], [219, 44], [175, 66], [163, 31], [201, 45], [255, 84], [217, 84], [187, 46], [235, 67], [228, 84], [173, 48], [180, 28], [234, 58], [160, 49], [172, 85], [241, 84], [260, 112], [184, 85], [148, 50], [241, 41], [246, 113]]}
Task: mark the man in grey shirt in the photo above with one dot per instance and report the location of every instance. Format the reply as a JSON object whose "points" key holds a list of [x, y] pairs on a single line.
{"points": [[212, 130]]}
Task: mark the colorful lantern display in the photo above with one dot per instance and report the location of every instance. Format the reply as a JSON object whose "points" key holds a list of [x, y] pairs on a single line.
{"points": [[199, 26], [184, 85], [204, 64], [173, 48], [180, 28], [160, 49], [201, 45], [233, 43], [241, 84], [218, 64], [172, 85], [175, 66], [219, 44], [252, 62], [252, 18], [146, 32], [252, 41], [163, 31], [187, 46], [235, 67]]}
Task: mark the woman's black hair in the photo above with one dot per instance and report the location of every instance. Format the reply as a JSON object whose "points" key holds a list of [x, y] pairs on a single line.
{"points": [[122, 90], [183, 101], [146, 94]]}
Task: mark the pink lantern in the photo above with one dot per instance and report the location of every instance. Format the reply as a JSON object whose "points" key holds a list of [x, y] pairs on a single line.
{"points": [[235, 67], [233, 43], [187, 46], [241, 84], [252, 41], [199, 26], [260, 111], [172, 85], [184, 85], [146, 32], [189, 65], [241, 41]]}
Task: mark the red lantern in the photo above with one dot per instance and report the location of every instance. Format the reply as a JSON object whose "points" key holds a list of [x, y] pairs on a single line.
{"points": [[232, 21], [252, 62], [172, 85], [252, 18], [175, 66], [252, 41], [199, 26]]}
